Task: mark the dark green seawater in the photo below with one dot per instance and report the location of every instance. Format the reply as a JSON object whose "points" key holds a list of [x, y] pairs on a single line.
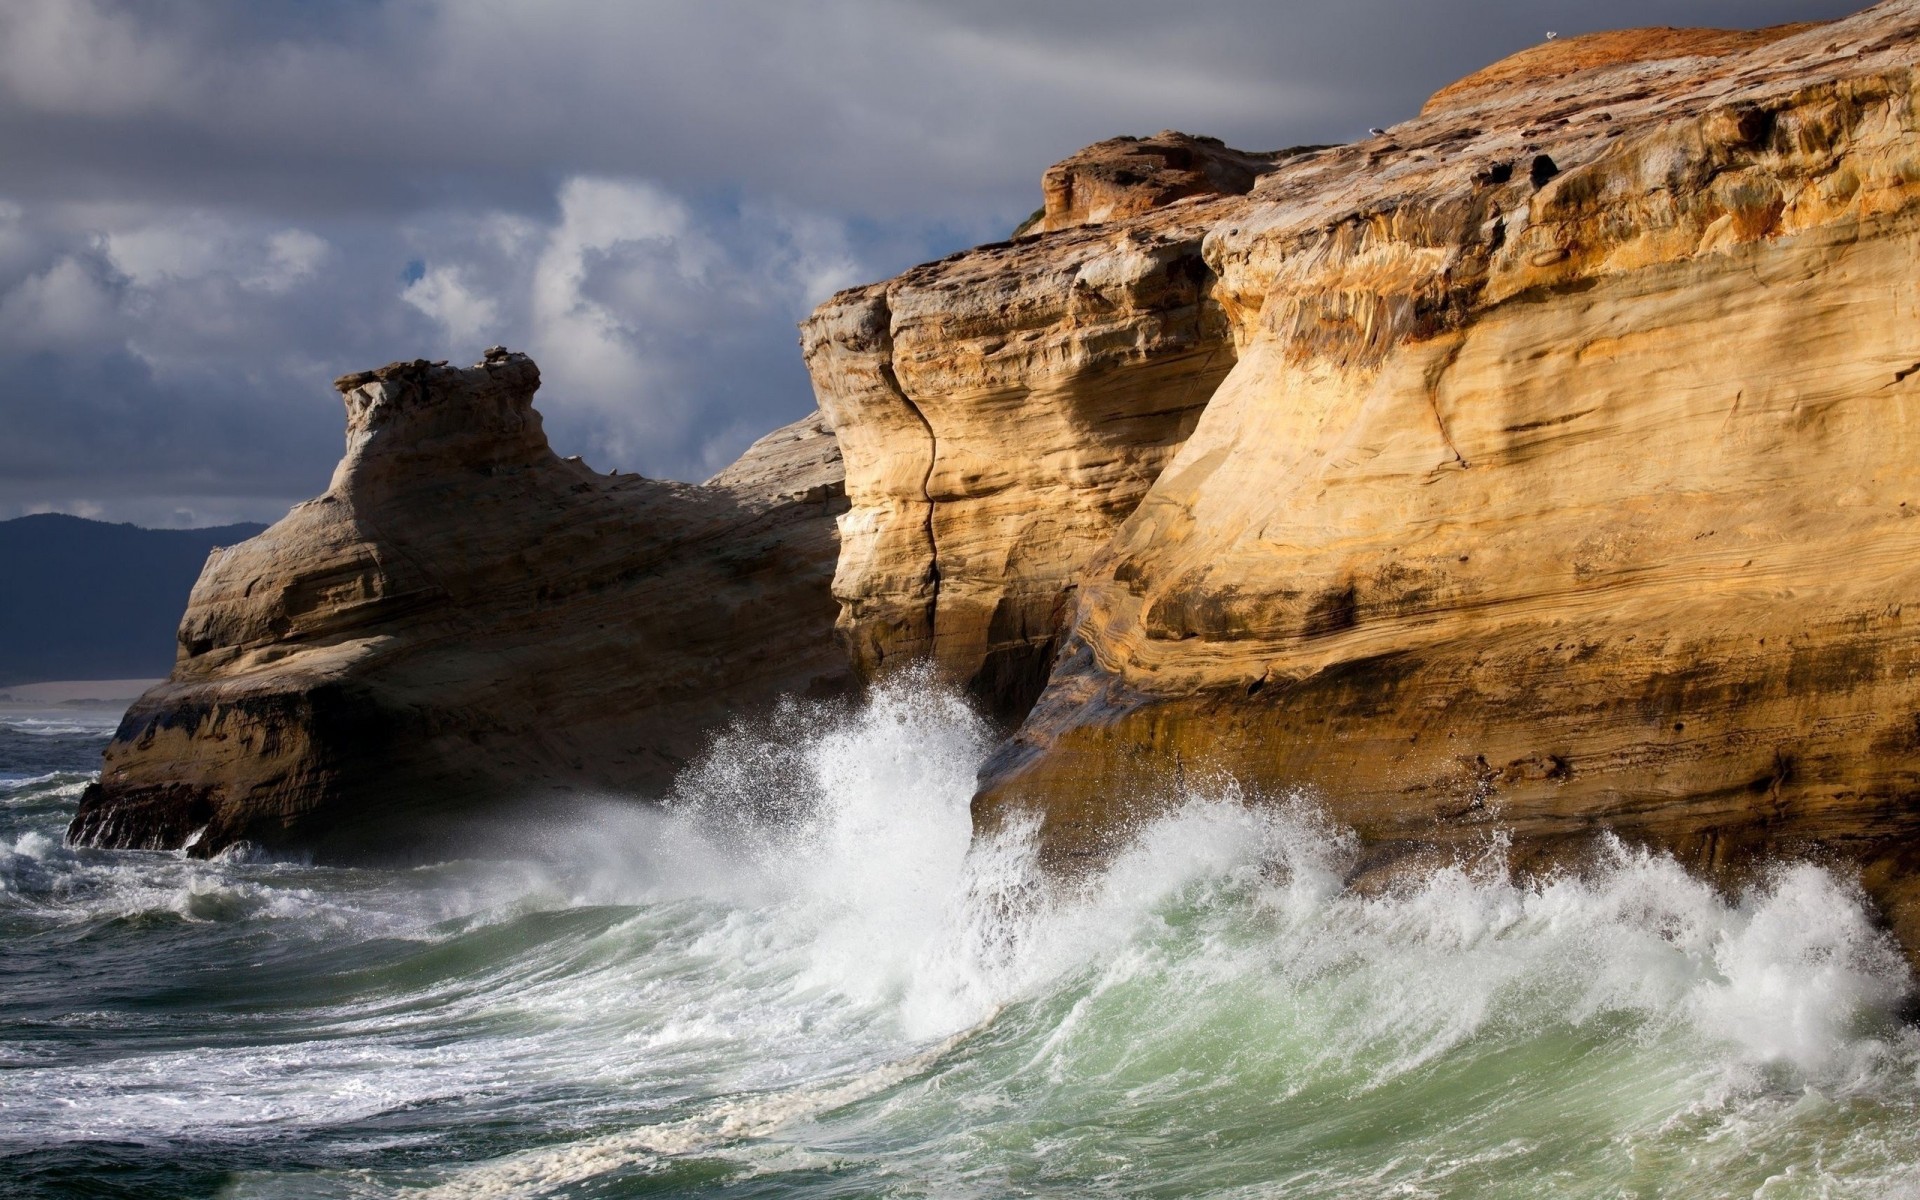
{"points": [[798, 981]]}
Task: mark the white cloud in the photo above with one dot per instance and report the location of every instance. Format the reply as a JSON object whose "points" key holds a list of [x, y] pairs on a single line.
{"points": [[589, 345], [212, 209], [292, 257], [66, 306], [77, 56], [198, 245], [665, 329], [155, 254], [79, 508], [817, 257], [443, 293], [194, 347]]}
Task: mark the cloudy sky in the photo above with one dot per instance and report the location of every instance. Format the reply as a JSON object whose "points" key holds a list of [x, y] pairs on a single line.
{"points": [[209, 210]]}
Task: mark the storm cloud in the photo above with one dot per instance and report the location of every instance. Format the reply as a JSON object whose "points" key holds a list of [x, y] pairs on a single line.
{"points": [[210, 210]]}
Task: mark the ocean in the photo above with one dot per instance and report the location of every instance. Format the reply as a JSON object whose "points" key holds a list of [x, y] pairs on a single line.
{"points": [[799, 978]]}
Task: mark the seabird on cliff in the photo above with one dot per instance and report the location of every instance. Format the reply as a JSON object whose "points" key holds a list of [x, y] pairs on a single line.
{"points": [[1376, 132], [1551, 35]]}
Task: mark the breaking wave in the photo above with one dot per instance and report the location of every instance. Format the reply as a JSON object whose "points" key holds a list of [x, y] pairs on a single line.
{"points": [[802, 978]]}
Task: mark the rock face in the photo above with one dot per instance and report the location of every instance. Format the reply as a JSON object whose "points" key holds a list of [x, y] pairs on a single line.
{"points": [[1548, 465], [463, 618], [1563, 479], [1001, 412]]}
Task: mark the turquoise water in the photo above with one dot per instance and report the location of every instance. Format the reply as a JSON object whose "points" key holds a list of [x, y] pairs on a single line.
{"points": [[800, 981]]}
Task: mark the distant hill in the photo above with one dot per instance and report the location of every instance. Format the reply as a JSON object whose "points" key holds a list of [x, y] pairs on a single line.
{"points": [[88, 600]]}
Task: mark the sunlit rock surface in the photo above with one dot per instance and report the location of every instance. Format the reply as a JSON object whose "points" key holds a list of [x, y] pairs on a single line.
{"points": [[1563, 480], [1002, 411], [465, 618], [1543, 467]]}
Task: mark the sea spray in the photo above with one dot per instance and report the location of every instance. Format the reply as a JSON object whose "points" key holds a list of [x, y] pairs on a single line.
{"points": [[803, 977], [860, 819]]}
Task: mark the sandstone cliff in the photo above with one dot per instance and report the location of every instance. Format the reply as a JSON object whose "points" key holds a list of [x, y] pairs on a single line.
{"points": [[1544, 466], [1000, 412], [464, 617]]}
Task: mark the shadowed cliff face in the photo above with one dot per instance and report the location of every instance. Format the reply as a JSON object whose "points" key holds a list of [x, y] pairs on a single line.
{"points": [[1562, 482], [466, 618]]}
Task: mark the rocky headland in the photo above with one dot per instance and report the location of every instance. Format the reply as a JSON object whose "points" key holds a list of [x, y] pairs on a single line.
{"points": [[1543, 467], [1557, 477], [465, 618]]}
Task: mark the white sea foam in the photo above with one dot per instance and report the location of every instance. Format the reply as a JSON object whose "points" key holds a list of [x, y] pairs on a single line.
{"points": [[39, 789], [808, 941], [1222, 910], [62, 724]]}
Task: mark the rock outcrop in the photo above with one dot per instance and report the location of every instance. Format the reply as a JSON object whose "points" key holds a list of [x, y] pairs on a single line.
{"points": [[1001, 411], [1005, 408], [1127, 176], [1563, 479], [465, 618]]}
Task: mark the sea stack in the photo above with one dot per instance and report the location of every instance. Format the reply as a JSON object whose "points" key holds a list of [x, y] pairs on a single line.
{"points": [[466, 618]]}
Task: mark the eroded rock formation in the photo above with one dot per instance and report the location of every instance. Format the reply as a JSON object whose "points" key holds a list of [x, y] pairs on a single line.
{"points": [[1563, 479], [1003, 409], [1547, 465], [465, 617], [1127, 176]]}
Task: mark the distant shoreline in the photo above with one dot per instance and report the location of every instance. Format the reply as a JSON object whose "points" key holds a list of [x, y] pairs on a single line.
{"points": [[75, 691]]}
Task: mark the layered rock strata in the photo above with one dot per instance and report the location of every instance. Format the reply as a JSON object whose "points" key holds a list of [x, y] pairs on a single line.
{"points": [[1001, 411], [1562, 481], [466, 618], [1005, 408], [1542, 467]]}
